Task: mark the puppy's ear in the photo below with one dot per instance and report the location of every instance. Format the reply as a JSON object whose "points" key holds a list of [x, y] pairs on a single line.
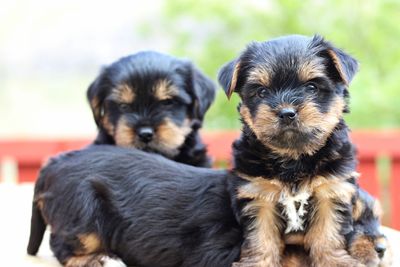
{"points": [[96, 94], [345, 65], [228, 76], [204, 93]]}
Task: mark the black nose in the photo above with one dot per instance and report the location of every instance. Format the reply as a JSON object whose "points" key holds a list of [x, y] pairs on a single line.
{"points": [[287, 114], [145, 134], [380, 249]]}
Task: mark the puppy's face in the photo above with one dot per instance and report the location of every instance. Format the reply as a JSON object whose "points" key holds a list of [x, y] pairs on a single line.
{"points": [[366, 242], [293, 91], [150, 101]]}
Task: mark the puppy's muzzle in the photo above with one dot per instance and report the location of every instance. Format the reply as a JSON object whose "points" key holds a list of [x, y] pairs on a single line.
{"points": [[287, 115], [145, 134], [380, 249]]}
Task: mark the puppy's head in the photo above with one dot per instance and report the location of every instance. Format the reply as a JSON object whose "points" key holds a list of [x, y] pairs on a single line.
{"points": [[293, 91], [149, 101], [366, 242]]}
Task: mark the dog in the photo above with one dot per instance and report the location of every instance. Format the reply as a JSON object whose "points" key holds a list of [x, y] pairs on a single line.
{"points": [[154, 102], [110, 201], [365, 243], [294, 151]]}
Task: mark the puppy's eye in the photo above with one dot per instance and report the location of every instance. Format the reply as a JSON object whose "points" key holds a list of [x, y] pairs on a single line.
{"points": [[124, 107], [262, 93], [167, 102], [311, 87]]}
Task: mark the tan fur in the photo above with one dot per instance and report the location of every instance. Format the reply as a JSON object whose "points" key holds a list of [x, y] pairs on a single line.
{"points": [[95, 260], [123, 93], [107, 125], [171, 136], [294, 239], [163, 90], [323, 239], [336, 62], [377, 209], [264, 244], [259, 75], [358, 209], [90, 243], [297, 258], [266, 122], [310, 70], [95, 104], [234, 80], [363, 249], [124, 135]]}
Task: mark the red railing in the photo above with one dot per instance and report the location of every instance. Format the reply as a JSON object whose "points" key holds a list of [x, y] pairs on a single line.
{"points": [[28, 155]]}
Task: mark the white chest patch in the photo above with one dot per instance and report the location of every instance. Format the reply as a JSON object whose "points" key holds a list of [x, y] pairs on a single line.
{"points": [[294, 209]]}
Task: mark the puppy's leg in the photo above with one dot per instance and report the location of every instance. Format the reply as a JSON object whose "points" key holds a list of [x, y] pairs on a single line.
{"points": [[263, 245], [323, 238]]}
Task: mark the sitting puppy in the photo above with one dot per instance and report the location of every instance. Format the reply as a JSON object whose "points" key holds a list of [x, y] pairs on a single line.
{"points": [[294, 152], [153, 102], [150, 211]]}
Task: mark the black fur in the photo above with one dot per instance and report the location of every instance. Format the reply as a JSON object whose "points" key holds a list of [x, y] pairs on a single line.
{"points": [[141, 72], [147, 210]]}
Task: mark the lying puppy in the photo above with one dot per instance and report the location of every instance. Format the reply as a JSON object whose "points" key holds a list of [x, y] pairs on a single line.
{"points": [[140, 207], [150, 211], [153, 102], [294, 153], [365, 243]]}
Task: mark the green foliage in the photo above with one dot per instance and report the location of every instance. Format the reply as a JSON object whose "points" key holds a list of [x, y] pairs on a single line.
{"points": [[213, 32]]}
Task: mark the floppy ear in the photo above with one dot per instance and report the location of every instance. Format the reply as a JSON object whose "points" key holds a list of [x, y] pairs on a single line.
{"points": [[228, 75], [345, 65], [204, 93], [96, 94]]}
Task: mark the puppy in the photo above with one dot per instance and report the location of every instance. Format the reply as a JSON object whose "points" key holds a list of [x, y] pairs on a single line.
{"points": [[365, 243], [150, 211], [295, 152], [153, 102], [109, 201]]}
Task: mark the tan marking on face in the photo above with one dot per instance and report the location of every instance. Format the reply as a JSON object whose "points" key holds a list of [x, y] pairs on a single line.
{"points": [[259, 75], [90, 243], [233, 80], [362, 248], [124, 135], [94, 260], [123, 93], [170, 136], [163, 89], [309, 70], [107, 125], [358, 209]]}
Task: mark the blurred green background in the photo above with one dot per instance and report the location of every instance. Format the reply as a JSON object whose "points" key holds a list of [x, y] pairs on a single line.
{"points": [[50, 51], [369, 30]]}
